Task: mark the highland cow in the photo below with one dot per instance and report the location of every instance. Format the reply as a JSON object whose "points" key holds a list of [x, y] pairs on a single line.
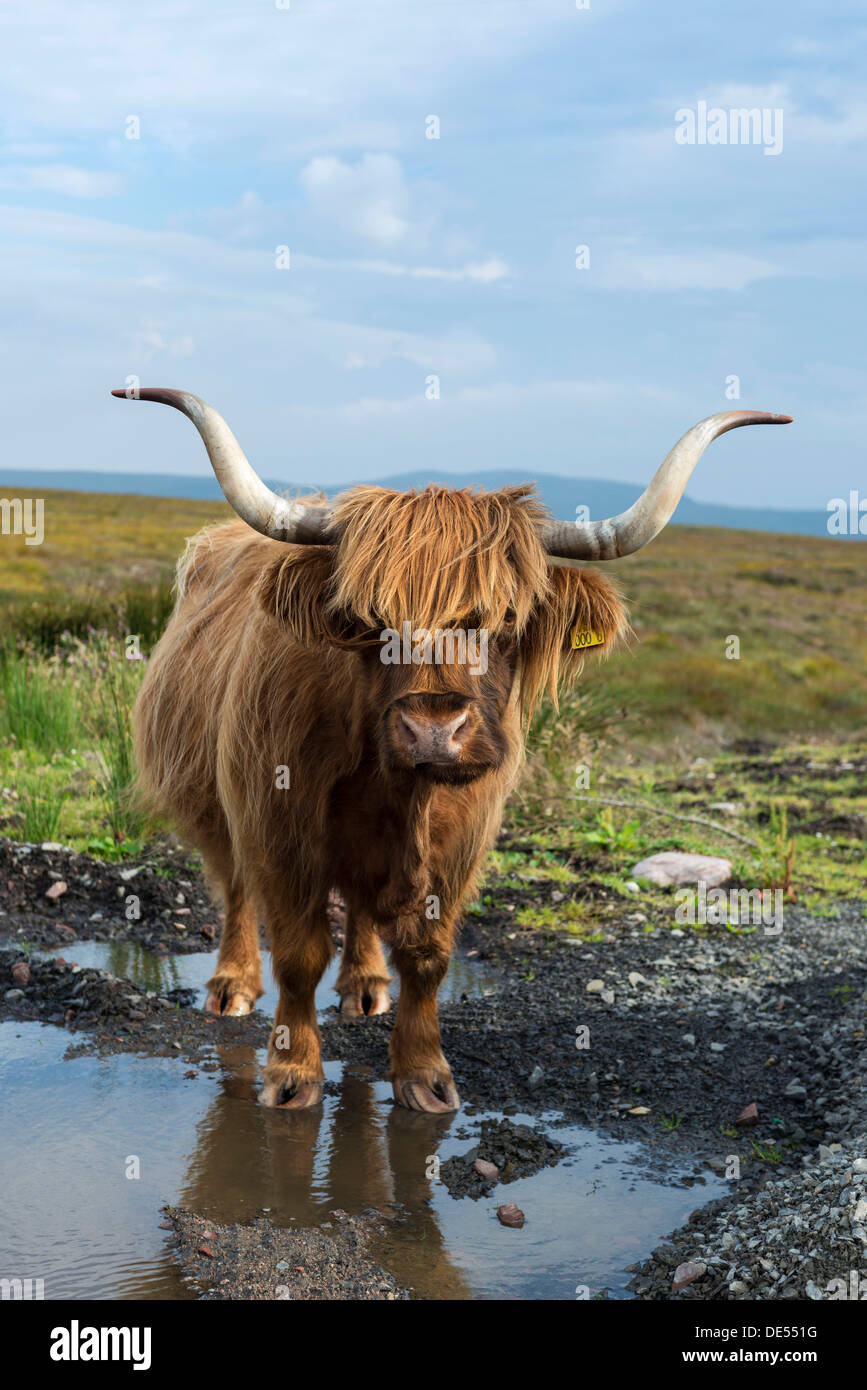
{"points": [[293, 735]]}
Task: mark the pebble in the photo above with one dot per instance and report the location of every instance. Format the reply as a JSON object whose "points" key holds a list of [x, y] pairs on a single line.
{"points": [[749, 1115], [510, 1215], [687, 1273]]}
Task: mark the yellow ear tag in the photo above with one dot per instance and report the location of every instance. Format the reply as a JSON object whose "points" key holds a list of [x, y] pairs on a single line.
{"points": [[582, 637]]}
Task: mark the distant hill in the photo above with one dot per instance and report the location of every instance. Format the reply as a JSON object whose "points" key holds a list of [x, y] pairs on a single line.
{"points": [[561, 494]]}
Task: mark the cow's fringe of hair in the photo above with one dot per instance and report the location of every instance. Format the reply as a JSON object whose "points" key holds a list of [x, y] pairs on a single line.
{"points": [[491, 571], [440, 557]]}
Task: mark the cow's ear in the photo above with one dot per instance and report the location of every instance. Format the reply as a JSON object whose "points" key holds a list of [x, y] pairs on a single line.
{"points": [[295, 591], [591, 608], [582, 614]]}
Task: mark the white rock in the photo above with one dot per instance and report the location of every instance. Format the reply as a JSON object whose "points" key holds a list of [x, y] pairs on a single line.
{"points": [[631, 886], [673, 867], [594, 987]]}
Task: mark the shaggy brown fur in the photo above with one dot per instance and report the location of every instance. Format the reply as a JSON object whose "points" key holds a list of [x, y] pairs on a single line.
{"points": [[272, 661]]}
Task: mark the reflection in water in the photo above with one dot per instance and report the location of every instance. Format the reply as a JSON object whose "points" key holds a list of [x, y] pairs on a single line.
{"points": [[357, 1151], [160, 973], [71, 1216]]}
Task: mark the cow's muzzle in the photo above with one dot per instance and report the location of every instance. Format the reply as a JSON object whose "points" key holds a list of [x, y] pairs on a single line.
{"points": [[432, 740]]}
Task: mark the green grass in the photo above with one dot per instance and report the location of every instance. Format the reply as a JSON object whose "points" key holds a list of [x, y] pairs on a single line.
{"points": [[40, 809], [66, 765]]}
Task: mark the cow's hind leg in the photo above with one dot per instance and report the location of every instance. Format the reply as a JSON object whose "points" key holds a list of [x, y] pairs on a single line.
{"points": [[300, 951], [421, 1077], [237, 981], [363, 979]]}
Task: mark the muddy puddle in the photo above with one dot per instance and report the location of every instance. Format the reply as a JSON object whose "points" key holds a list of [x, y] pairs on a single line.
{"points": [[159, 973], [90, 1149]]}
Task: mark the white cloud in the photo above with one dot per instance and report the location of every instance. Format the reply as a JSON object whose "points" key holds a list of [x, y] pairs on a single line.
{"points": [[64, 179], [683, 270], [369, 198], [496, 399], [148, 343], [288, 81], [483, 272]]}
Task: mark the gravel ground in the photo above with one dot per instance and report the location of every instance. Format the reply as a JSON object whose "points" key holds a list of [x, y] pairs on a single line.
{"points": [[799, 1237], [258, 1261], [90, 899]]}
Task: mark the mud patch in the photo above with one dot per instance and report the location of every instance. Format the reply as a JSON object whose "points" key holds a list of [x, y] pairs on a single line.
{"points": [[260, 1261], [115, 1014], [516, 1150], [176, 913]]}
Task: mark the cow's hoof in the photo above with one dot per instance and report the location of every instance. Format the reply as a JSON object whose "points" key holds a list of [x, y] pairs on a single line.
{"points": [[229, 1005], [441, 1099], [290, 1094], [367, 1004]]}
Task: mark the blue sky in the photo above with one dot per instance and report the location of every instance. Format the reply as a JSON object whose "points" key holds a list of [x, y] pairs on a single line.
{"points": [[305, 127]]}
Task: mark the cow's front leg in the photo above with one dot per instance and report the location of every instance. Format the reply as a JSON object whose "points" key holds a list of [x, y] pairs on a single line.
{"points": [[420, 1075], [363, 979], [300, 953]]}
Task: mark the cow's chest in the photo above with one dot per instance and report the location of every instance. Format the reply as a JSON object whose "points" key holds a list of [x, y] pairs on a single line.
{"points": [[387, 840]]}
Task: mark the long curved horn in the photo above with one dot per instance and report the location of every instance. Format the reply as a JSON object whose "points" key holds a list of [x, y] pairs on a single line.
{"points": [[623, 534], [282, 520]]}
